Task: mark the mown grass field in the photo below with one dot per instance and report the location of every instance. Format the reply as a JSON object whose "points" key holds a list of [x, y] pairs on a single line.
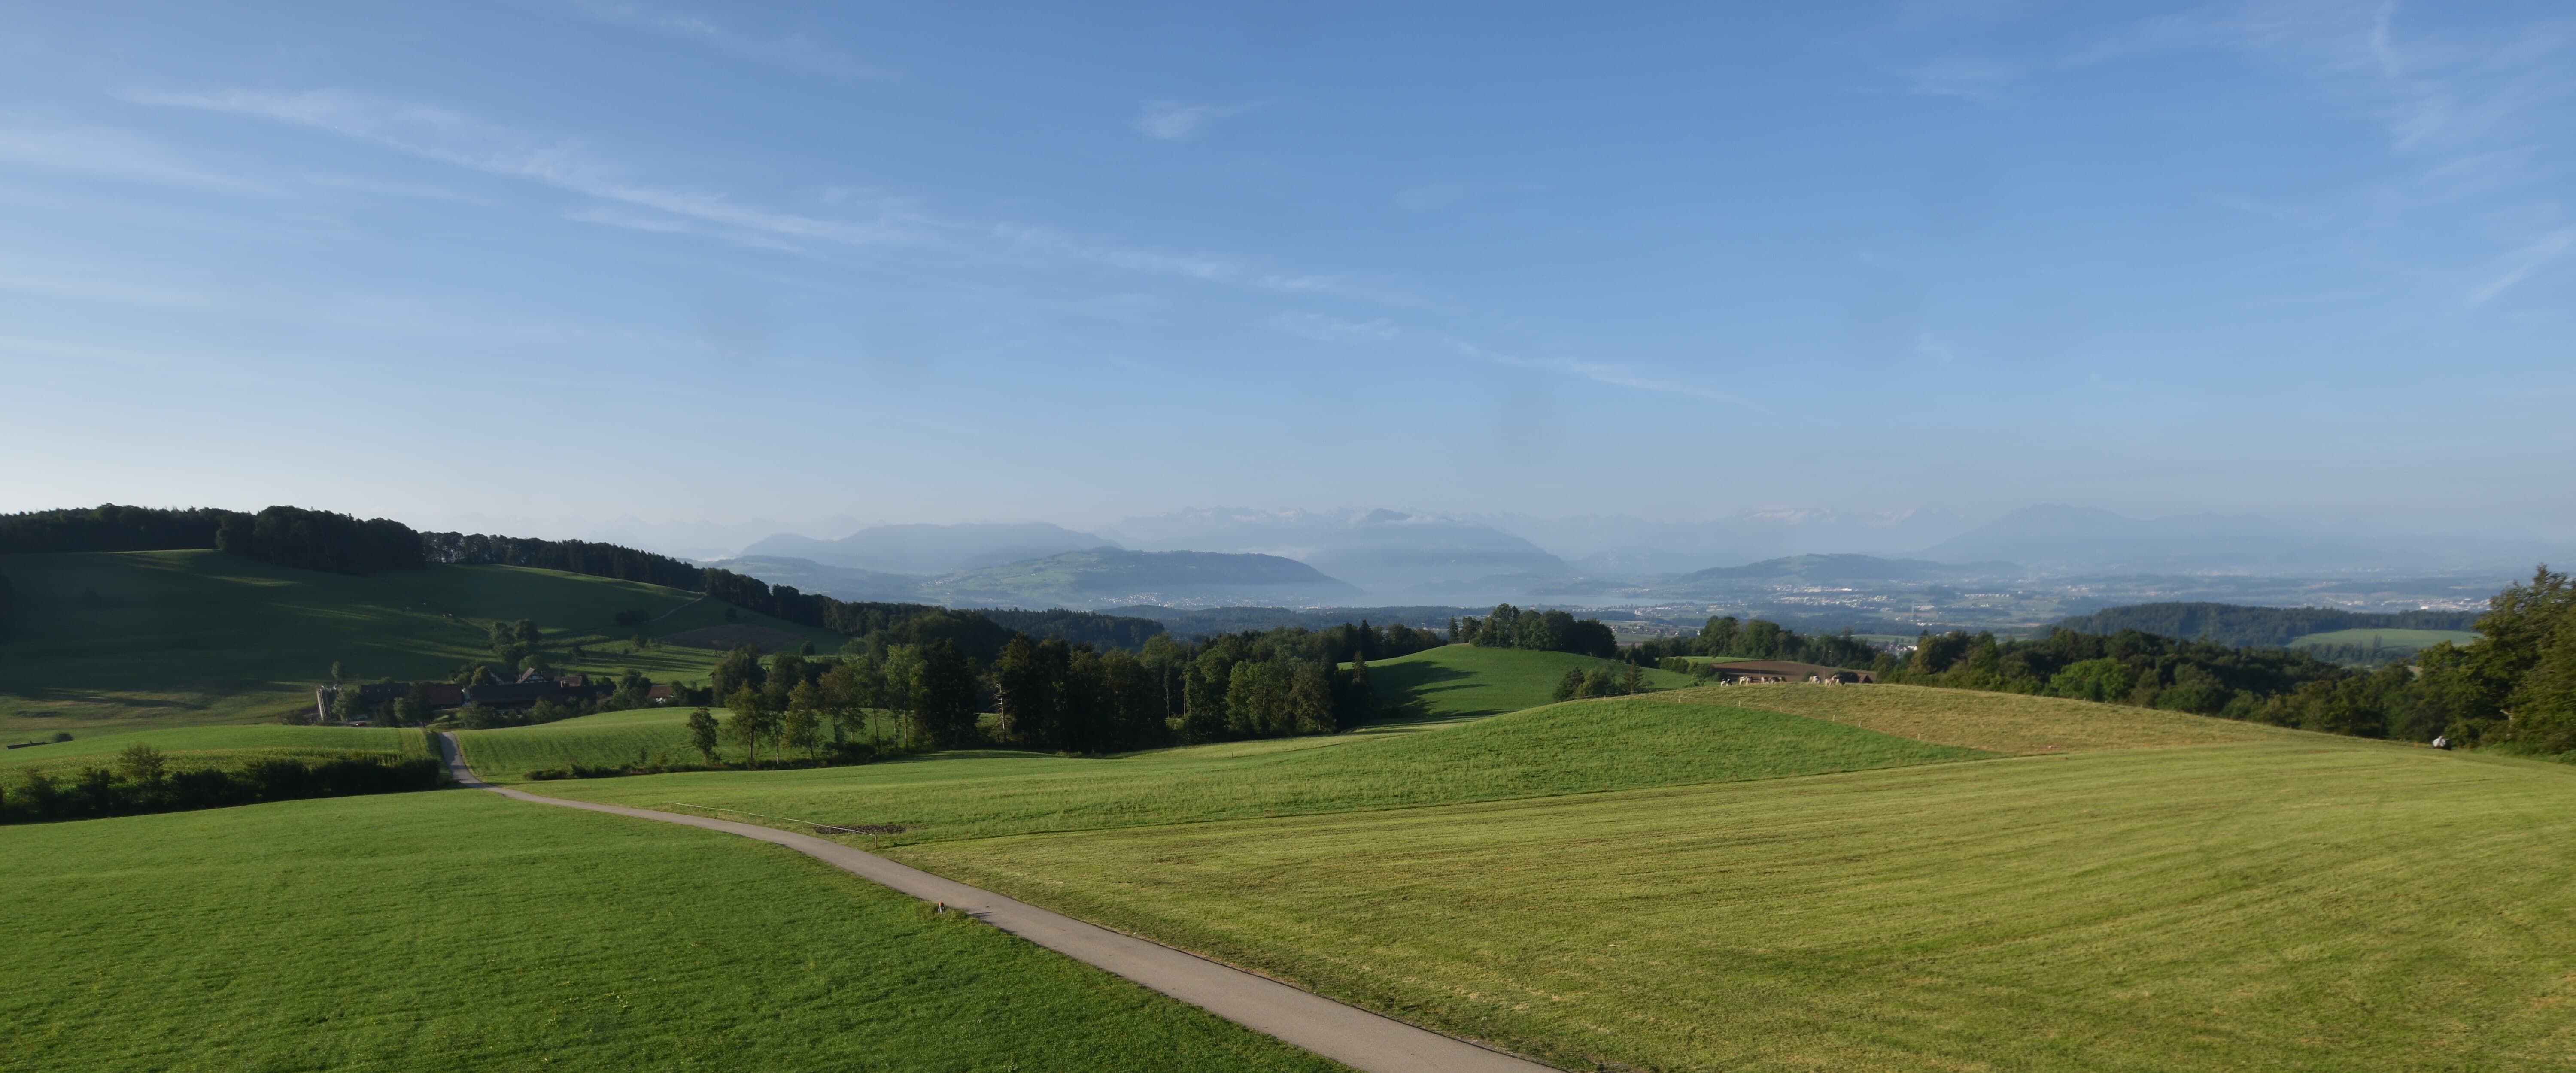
{"points": [[1464, 681], [1994, 722], [2305, 903], [1576, 747], [113, 641], [218, 747], [2387, 638], [456, 930]]}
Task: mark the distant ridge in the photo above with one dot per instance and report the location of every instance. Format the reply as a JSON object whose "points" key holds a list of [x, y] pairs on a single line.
{"points": [[1109, 576], [929, 549], [2234, 624]]}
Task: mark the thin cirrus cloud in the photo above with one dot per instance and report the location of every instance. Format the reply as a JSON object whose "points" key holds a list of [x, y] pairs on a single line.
{"points": [[1379, 332], [1181, 121], [791, 49], [462, 141], [105, 151], [2524, 263], [1330, 329]]}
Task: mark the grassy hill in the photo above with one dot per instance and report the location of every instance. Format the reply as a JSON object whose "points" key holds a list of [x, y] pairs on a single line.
{"points": [[1576, 747], [456, 931], [2281, 901], [124, 640], [2399, 639], [1463, 681]]}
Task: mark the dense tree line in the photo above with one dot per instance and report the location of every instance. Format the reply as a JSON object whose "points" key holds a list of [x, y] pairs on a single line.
{"points": [[1544, 631], [8, 608], [1762, 639], [2515, 686], [2232, 624], [1080, 627], [1045, 693], [110, 527], [1212, 621], [141, 781], [321, 540], [570, 556]]}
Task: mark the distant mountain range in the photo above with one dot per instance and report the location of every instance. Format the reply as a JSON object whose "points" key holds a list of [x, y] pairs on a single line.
{"points": [[929, 549], [1387, 553], [1096, 578], [1393, 557], [2081, 539]]}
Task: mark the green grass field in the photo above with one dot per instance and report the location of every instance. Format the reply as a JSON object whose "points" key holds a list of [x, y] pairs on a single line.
{"points": [[2386, 638], [456, 930], [2299, 904], [1577, 747], [610, 739], [115, 641], [1464, 681], [218, 747]]}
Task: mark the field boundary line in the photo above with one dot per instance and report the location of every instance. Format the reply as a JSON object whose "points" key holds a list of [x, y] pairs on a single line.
{"points": [[1362, 1039]]}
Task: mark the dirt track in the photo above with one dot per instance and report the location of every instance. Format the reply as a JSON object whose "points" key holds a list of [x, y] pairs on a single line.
{"points": [[1346, 1034]]}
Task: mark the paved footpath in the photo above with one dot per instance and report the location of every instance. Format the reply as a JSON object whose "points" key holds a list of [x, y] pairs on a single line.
{"points": [[1346, 1034]]}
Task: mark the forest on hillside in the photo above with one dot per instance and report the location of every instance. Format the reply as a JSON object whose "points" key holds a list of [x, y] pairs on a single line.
{"points": [[2235, 624]]}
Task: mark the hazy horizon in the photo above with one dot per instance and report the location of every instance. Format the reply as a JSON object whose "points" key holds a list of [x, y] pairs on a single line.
{"points": [[554, 265]]}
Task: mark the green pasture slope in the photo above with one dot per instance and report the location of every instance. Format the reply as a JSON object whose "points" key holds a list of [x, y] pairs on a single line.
{"points": [[1576, 747], [114, 641], [2388, 638], [456, 930], [610, 739], [185, 748], [1464, 681], [2292, 902]]}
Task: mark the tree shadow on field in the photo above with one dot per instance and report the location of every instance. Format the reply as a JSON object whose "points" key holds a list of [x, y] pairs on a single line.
{"points": [[1405, 691]]}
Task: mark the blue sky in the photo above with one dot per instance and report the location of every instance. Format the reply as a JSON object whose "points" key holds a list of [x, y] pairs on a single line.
{"points": [[545, 261]]}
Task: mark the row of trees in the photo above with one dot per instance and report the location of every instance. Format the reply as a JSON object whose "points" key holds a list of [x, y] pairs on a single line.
{"points": [[141, 780], [320, 540], [1544, 631], [1763, 639], [110, 527], [2515, 686], [1048, 693]]}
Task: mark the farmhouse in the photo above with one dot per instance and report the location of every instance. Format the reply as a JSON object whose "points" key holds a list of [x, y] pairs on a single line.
{"points": [[1781, 670], [531, 687]]}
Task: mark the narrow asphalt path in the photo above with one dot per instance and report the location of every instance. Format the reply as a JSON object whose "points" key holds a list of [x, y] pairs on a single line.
{"points": [[1346, 1034]]}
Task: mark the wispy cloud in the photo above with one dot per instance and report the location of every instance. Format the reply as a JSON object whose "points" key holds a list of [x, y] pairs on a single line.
{"points": [[869, 219], [1969, 77], [1336, 330], [453, 138], [1610, 373], [794, 50], [1180, 121], [2523, 263], [106, 151]]}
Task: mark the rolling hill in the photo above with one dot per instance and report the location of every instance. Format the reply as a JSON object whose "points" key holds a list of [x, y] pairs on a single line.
{"points": [[128, 640], [928, 549]]}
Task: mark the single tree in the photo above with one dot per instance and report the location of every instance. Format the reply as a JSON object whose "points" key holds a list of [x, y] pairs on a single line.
{"points": [[800, 731], [702, 734], [142, 763]]}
